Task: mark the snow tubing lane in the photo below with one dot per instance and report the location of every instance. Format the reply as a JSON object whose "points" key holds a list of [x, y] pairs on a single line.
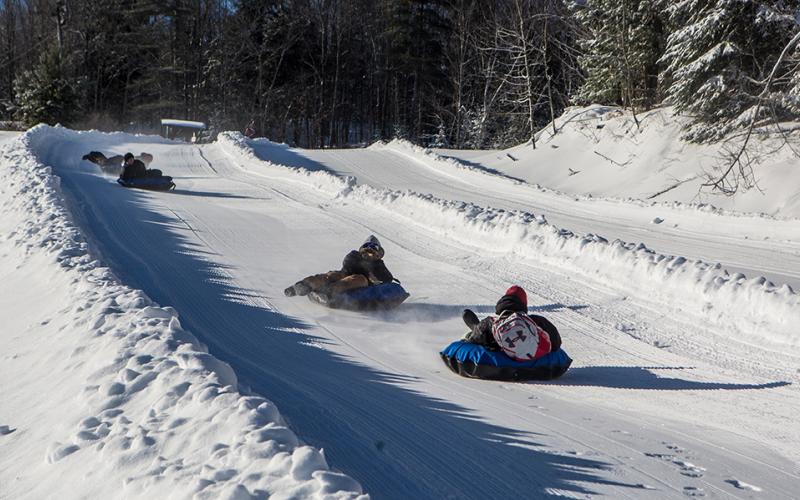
{"points": [[475, 361], [163, 183], [370, 298]]}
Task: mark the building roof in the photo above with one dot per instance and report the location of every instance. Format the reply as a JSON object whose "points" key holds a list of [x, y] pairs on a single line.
{"points": [[183, 123]]}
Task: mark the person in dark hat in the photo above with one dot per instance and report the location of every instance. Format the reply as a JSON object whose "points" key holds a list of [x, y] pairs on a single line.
{"points": [[132, 168], [515, 300], [360, 268]]}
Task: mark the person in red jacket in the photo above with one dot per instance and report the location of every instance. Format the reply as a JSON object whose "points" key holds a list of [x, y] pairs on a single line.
{"points": [[514, 300], [360, 268]]}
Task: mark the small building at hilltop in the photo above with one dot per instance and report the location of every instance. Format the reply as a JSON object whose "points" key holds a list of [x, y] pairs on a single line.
{"points": [[186, 130]]}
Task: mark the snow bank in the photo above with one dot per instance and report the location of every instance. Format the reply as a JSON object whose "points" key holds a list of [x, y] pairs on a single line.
{"points": [[602, 152], [136, 407], [446, 164], [754, 309]]}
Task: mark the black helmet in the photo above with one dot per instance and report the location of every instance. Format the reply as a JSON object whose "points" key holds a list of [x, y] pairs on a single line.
{"points": [[128, 156]]}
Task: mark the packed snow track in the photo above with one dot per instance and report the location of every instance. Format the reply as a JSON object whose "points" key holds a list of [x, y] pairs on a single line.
{"points": [[657, 404]]}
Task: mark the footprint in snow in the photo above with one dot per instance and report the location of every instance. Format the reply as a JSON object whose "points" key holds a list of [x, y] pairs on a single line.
{"points": [[689, 469], [58, 451], [742, 485]]}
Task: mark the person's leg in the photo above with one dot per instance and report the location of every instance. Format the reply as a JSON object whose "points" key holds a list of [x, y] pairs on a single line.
{"points": [[351, 282], [470, 318], [313, 283], [348, 283], [480, 332]]}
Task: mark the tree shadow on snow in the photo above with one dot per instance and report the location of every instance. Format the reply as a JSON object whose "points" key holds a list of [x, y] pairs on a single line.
{"points": [[397, 442], [419, 311], [281, 154], [481, 166], [646, 378], [210, 194]]}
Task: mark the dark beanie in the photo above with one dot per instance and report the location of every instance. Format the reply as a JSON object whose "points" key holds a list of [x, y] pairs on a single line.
{"points": [[515, 299]]}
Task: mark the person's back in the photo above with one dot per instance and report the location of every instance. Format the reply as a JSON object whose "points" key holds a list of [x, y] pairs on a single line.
{"points": [[515, 300]]}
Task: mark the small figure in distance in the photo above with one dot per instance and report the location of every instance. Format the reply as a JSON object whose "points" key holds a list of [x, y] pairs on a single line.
{"points": [[132, 168], [520, 335], [360, 268], [250, 129]]}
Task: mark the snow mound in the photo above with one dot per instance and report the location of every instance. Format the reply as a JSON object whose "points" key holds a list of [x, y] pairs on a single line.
{"points": [[125, 394], [754, 309], [601, 152]]}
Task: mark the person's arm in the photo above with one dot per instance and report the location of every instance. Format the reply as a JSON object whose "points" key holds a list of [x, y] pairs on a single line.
{"points": [[550, 328], [351, 263], [380, 273]]}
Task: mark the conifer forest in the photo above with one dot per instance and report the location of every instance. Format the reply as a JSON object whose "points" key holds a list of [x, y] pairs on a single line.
{"points": [[456, 73]]}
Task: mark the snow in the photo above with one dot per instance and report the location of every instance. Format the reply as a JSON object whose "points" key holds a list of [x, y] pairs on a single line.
{"points": [[149, 350], [95, 369], [170, 122]]}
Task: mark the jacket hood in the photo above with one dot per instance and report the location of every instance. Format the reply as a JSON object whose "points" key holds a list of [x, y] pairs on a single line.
{"points": [[372, 249]]}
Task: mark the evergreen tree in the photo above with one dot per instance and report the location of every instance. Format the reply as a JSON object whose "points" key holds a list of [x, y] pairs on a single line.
{"points": [[623, 45], [46, 94], [718, 57]]}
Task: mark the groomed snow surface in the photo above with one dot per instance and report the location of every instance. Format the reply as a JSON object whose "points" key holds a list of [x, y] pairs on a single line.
{"points": [[148, 350]]}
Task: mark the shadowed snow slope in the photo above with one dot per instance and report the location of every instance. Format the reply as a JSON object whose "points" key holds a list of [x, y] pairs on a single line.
{"points": [[104, 394], [680, 385]]}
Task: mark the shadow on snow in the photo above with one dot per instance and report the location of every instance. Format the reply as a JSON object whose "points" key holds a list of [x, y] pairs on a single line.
{"points": [[419, 311], [283, 155], [644, 377]]}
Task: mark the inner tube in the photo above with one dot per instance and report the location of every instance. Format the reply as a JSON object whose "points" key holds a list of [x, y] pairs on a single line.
{"points": [[370, 298], [475, 361], [163, 183]]}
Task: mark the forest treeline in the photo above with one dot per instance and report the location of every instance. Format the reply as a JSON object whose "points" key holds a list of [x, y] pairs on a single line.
{"points": [[451, 73]]}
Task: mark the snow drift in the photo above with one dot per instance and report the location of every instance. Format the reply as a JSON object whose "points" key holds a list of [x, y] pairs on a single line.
{"points": [[601, 151], [132, 405], [754, 308]]}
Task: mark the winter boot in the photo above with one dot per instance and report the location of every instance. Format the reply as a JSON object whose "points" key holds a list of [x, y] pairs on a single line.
{"points": [[299, 288], [470, 318]]}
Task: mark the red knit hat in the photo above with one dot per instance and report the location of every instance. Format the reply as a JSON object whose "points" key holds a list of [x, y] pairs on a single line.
{"points": [[519, 293]]}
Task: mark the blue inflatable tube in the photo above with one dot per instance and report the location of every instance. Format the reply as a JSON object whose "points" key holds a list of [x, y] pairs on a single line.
{"points": [[162, 183], [370, 298], [475, 361]]}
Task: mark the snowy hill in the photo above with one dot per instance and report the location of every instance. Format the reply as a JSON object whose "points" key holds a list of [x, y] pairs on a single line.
{"points": [[600, 152], [145, 330]]}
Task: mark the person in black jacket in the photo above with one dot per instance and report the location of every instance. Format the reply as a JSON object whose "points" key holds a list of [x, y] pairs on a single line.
{"points": [[132, 168], [360, 268], [514, 300]]}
